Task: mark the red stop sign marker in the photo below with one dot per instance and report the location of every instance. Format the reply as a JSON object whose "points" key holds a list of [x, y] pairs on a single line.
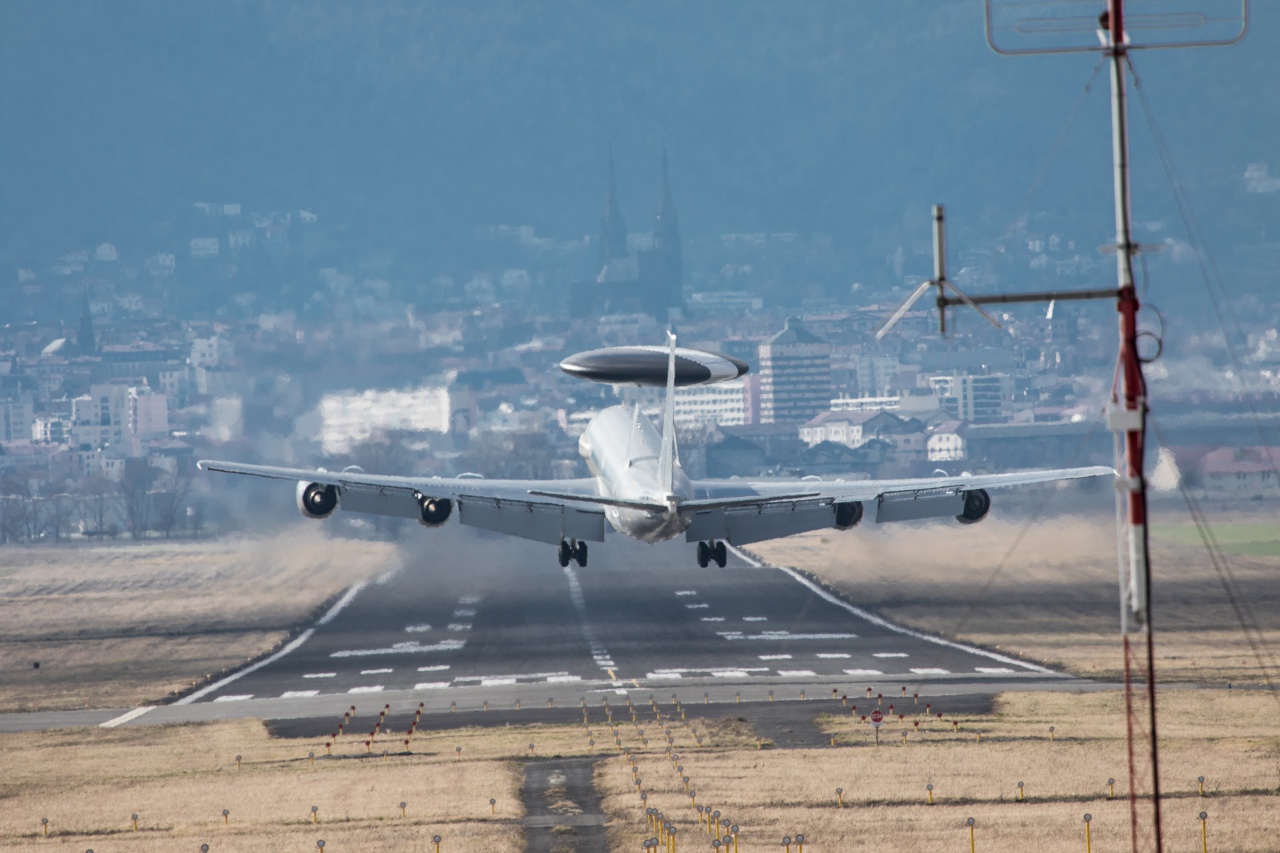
{"points": [[876, 717]]}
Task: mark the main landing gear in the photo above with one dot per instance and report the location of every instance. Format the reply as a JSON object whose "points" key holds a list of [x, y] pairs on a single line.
{"points": [[709, 551], [572, 549]]}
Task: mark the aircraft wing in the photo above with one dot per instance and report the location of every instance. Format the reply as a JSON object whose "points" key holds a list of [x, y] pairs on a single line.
{"points": [[513, 507], [745, 511]]}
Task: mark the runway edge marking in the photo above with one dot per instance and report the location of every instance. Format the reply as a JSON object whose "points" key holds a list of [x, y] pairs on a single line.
{"points": [[328, 617], [126, 717], [885, 623]]}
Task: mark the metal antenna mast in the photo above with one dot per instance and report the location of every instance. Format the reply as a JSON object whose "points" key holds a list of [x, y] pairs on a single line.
{"points": [[1064, 23]]}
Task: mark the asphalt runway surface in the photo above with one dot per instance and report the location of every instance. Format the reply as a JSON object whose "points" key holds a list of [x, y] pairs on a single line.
{"points": [[476, 622]]}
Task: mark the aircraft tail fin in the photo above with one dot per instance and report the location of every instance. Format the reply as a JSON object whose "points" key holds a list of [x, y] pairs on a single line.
{"points": [[667, 458]]}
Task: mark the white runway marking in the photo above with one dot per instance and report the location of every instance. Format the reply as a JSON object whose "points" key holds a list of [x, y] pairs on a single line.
{"points": [[375, 688], [713, 670], [796, 672], [774, 657], [784, 635], [240, 697], [320, 675], [931, 671], [299, 694], [496, 682], [660, 675], [686, 592], [890, 655], [125, 717], [755, 618], [375, 671], [993, 669], [712, 618], [830, 655], [418, 629], [863, 672], [697, 606], [464, 613], [430, 685], [459, 626], [469, 599], [513, 677], [402, 649], [563, 679], [886, 624], [598, 652], [731, 673], [341, 603], [440, 667]]}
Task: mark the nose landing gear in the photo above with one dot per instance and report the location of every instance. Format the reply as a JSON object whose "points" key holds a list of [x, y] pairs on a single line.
{"points": [[572, 550], [712, 551]]}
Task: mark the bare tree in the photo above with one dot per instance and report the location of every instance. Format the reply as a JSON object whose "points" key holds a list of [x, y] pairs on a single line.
{"points": [[58, 510], [169, 502], [135, 496], [101, 502]]}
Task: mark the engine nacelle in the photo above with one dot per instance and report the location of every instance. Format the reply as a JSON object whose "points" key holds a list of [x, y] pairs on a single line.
{"points": [[848, 514], [434, 511], [977, 504], [317, 500]]}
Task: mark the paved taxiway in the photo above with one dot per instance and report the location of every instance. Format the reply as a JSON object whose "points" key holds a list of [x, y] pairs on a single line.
{"points": [[474, 619]]}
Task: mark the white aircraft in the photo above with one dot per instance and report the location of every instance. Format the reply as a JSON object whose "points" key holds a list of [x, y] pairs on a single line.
{"points": [[637, 484]]}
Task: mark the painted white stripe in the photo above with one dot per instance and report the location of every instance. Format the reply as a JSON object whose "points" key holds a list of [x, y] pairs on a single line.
{"points": [[218, 685], [755, 618], [697, 606], [320, 675], [563, 679], [526, 676], [239, 697], [346, 599], [832, 655], [713, 670], [732, 673], [783, 635], [663, 675], [774, 657], [796, 672], [469, 599], [299, 694], [125, 717], [373, 688], [863, 672], [890, 655], [931, 671], [890, 626], [402, 649], [993, 669], [496, 682], [464, 613], [459, 626], [430, 685], [686, 592], [418, 629], [375, 671], [440, 667], [712, 618]]}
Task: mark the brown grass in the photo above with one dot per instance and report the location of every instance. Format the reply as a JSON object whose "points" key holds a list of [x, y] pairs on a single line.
{"points": [[115, 625], [1048, 591], [1231, 739]]}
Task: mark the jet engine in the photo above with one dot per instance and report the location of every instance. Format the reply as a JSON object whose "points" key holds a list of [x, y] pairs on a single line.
{"points": [[848, 514], [317, 500], [435, 511], [977, 504]]}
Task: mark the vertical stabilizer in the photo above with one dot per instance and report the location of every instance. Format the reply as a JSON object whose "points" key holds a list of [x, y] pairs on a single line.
{"points": [[667, 456]]}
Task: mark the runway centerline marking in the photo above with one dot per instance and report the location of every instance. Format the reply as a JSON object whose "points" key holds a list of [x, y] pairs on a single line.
{"points": [[697, 606], [712, 618], [862, 672], [686, 592], [830, 655], [885, 623], [774, 657], [440, 667], [409, 648], [469, 599], [373, 688], [299, 694], [464, 613], [321, 675], [126, 717], [783, 635], [755, 618], [794, 672], [890, 655], [376, 671], [418, 629], [430, 685]]}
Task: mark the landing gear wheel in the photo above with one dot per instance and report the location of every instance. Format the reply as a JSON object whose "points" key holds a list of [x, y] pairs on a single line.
{"points": [[564, 554], [580, 554], [704, 555], [720, 554]]}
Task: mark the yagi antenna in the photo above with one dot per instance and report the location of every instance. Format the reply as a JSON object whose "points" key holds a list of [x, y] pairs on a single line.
{"points": [[938, 281]]}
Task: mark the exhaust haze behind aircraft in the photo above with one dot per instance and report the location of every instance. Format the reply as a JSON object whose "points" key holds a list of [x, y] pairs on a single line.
{"points": [[637, 485]]}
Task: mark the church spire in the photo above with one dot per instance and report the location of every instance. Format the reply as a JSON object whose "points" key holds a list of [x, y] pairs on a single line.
{"points": [[86, 341], [613, 231], [666, 230]]}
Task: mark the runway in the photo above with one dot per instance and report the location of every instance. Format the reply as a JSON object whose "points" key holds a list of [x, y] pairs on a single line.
{"points": [[474, 621]]}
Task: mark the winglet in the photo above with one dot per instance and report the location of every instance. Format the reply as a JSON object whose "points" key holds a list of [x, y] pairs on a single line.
{"points": [[667, 455]]}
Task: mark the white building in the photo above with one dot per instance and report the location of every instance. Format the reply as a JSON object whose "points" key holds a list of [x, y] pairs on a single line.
{"points": [[16, 417], [723, 404], [117, 416], [946, 442], [211, 351], [349, 418]]}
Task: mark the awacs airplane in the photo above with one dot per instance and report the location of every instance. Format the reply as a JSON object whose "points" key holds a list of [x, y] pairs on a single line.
{"points": [[637, 484]]}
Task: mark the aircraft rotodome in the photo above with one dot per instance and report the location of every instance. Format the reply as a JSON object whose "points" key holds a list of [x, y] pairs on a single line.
{"points": [[637, 486]]}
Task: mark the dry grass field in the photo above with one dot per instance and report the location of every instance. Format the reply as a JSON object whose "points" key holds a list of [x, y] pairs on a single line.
{"points": [[1229, 738], [124, 624], [1048, 591]]}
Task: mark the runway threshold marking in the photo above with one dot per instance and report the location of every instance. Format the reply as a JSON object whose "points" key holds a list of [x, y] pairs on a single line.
{"points": [[125, 717], [885, 623]]}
